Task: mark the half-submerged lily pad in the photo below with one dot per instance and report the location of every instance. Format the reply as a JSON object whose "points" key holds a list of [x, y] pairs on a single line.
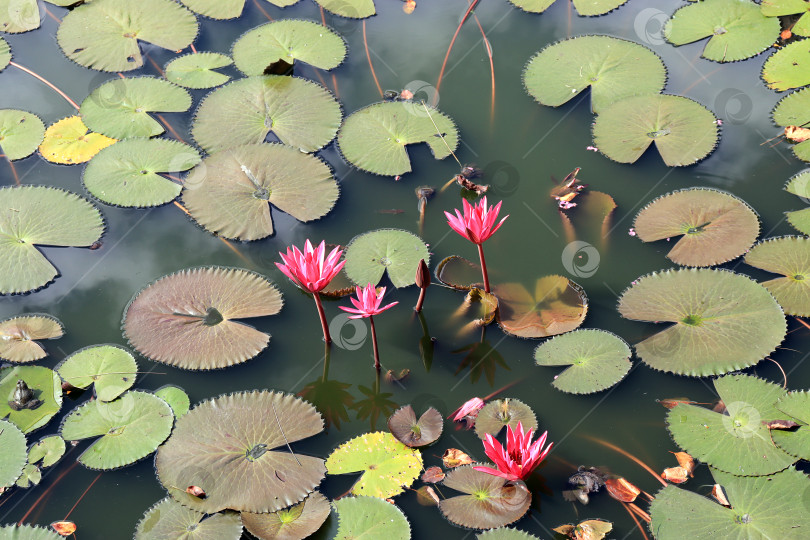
{"points": [[233, 448], [684, 131], [787, 67], [415, 433], [353, 9], [597, 360], [230, 193], [196, 70], [789, 256], [18, 336], [374, 138], [21, 133], [299, 112], [294, 523], [176, 398], [796, 405], [170, 520], [12, 453], [68, 142], [777, 8], [738, 441], [488, 502], [799, 185], [33, 405], [371, 254], [187, 319], [288, 40], [110, 369], [369, 518], [48, 450], [558, 305], [614, 69], [459, 273], [497, 414], [722, 321], [226, 9], [27, 532], [585, 8], [117, 26], [715, 226], [792, 110], [388, 466]]}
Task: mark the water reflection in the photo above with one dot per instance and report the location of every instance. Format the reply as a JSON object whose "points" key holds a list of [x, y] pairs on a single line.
{"points": [[376, 403], [482, 358], [331, 398]]}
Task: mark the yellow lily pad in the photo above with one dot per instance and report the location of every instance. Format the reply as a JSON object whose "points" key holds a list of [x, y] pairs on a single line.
{"points": [[68, 141]]}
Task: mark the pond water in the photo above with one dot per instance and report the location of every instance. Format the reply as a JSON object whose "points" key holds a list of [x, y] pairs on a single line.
{"points": [[522, 145]]}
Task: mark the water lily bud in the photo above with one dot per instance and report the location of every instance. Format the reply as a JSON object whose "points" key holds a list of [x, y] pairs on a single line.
{"points": [[422, 275]]}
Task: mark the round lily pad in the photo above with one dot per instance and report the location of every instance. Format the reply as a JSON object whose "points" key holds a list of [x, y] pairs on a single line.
{"points": [[597, 360], [353, 9], [792, 110], [5, 54], [722, 321], [188, 319], [120, 108], [738, 30], [17, 16], [388, 466], [459, 273], [104, 34], [300, 113], [128, 428], [20, 133], [613, 68], [47, 390], [129, 173], [12, 454], [233, 448], [68, 142], [49, 450], [170, 520], [374, 138], [176, 398], [488, 502], [18, 336], [110, 369], [294, 523], [371, 254], [684, 131], [44, 216], [714, 226], [230, 193], [558, 305], [789, 256], [196, 70], [777, 8], [497, 414], [226, 9], [787, 67], [27, 532], [738, 441], [796, 406], [288, 40], [585, 8], [370, 518], [415, 433]]}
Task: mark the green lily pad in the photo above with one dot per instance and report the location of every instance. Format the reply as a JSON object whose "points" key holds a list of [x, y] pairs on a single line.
{"points": [[110, 369], [5, 54], [585, 8], [497, 414], [188, 319], [597, 360], [352, 9], [20, 133], [176, 398], [799, 220], [714, 226], [289, 40], [196, 70], [558, 305], [722, 321], [117, 26], [233, 448], [226, 9], [778, 8], [684, 131], [18, 336], [789, 256], [788, 67], [129, 429], [415, 433], [371, 254], [230, 193], [614, 69], [738, 30], [170, 520], [17, 16], [796, 405], [799, 185], [49, 450], [129, 173], [31, 476], [505, 533], [120, 108], [12, 453], [300, 113], [294, 523], [370, 518], [388, 466], [47, 387], [738, 441], [792, 110], [488, 502], [459, 273], [761, 507], [374, 138], [27, 532]]}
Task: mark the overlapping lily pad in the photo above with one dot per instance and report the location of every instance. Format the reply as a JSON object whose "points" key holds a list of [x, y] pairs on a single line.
{"points": [[20, 132], [558, 305], [5, 54], [12, 453], [230, 193], [614, 69], [289, 40], [497, 414], [370, 518], [597, 360], [233, 448], [176, 398], [799, 185], [353, 9], [738, 441], [226, 9], [17, 16], [388, 466], [397, 252], [788, 67], [118, 26], [170, 520], [585, 8], [298, 112], [796, 405], [778, 8], [196, 70], [722, 321], [48, 450], [792, 110], [715, 226], [684, 131], [374, 138], [27, 532], [110, 369], [415, 433], [18, 336], [488, 502], [39, 215], [188, 319], [68, 142], [47, 388], [789, 256], [294, 523]]}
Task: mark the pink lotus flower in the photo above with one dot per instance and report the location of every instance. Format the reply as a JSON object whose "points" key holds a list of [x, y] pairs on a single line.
{"points": [[478, 222], [521, 456], [367, 302], [468, 412]]}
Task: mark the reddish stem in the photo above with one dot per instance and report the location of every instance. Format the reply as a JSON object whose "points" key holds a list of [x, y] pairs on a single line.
{"points": [[421, 301], [370, 65], [488, 46], [483, 266], [13, 169], [258, 5], [50, 85], [81, 497], [374, 344], [632, 515], [629, 456], [326, 337], [452, 41]]}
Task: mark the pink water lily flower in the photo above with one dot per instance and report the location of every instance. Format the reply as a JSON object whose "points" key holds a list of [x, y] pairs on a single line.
{"points": [[367, 302], [468, 412], [521, 456]]}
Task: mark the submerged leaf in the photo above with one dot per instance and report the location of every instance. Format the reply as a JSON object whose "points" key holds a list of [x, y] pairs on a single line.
{"points": [[12, 454], [21, 132], [489, 501], [558, 305], [37, 409], [497, 414], [196, 70], [789, 256], [397, 252], [18, 336], [415, 433], [459, 273], [294, 523], [109, 368], [370, 518], [169, 520], [68, 142]]}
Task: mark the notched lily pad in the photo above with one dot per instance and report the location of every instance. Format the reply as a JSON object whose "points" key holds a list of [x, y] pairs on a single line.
{"points": [[370, 518], [497, 414], [558, 305], [415, 433], [21, 132], [488, 502], [170, 520], [371, 254], [31, 405], [196, 70], [48, 450], [110, 369], [789, 256], [19, 335], [68, 142], [294, 523]]}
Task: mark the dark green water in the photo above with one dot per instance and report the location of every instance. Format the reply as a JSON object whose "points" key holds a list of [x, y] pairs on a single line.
{"points": [[525, 143]]}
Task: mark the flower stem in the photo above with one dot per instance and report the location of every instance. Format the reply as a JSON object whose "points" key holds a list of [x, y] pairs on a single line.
{"points": [[326, 337], [483, 267], [421, 300], [374, 344]]}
